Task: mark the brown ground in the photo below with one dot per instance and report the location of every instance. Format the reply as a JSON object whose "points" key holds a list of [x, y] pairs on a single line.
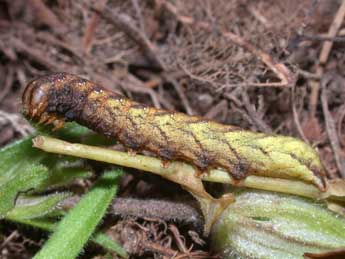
{"points": [[267, 65]]}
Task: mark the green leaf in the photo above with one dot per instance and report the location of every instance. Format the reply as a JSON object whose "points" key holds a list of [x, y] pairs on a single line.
{"points": [[34, 207], [65, 176], [22, 181], [77, 226], [98, 238], [74, 132], [272, 226], [24, 168], [18, 156], [63, 171], [109, 244], [46, 224]]}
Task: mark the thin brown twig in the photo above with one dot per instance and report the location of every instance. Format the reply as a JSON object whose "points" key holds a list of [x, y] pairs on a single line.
{"points": [[219, 108], [287, 79], [323, 38], [324, 54], [90, 27], [14, 119], [180, 242], [154, 247], [8, 83], [254, 115], [27, 32], [22, 77], [340, 122], [258, 16], [47, 16], [330, 126], [36, 54], [315, 88], [8, 239], [282, 72], [181, 94], [125, 23], [308, 75], [332, 32], [139, 14], [184, 251], [295, 116], [137, 86]]}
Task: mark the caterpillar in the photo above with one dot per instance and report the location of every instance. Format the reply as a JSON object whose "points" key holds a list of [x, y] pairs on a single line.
{"points": [[206, 144]]}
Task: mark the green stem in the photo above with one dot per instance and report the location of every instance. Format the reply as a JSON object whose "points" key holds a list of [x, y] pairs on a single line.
{"points": [[156, 166]]}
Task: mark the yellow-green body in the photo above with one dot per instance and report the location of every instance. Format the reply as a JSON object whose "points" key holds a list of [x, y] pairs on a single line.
{"points": [[171, 135]]}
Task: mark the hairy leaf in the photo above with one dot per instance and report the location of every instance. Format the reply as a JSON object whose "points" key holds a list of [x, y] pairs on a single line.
{"points": [[76, 228], [273, 226], [22, 181], [98, 238], [17, 156], [34, 207]]}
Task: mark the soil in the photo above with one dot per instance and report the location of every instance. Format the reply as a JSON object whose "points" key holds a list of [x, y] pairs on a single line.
{"points": [[266, 65]]}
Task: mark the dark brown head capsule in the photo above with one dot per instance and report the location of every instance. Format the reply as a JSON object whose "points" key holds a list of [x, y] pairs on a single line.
{"points": [[36, 98]]}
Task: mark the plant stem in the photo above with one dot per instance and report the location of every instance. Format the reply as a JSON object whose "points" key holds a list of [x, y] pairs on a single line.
{"points": [[157, 166]]}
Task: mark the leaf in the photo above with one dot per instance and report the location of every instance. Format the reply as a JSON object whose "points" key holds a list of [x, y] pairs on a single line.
{"points": [[18, 156], [109, 244], [291, 227], [21, 181], [65, 176], [24, 168], [46, 224], [34, 207], [77, 226], [98, 238], [63, 171]]}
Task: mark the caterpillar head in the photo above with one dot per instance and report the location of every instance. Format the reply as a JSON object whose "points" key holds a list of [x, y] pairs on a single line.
{"points": [[35, 98]]}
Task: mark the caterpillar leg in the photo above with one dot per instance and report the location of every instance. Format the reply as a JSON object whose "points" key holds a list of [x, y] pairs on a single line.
{"points": [[58, 124], [50, 120], [165, 163], [131, 152]]}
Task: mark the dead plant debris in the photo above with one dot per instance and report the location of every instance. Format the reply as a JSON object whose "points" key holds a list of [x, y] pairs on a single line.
{"points": [[273, 66]]}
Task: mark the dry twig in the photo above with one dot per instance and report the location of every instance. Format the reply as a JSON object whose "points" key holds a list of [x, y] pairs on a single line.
{"points": [[340, 122], [126, 24], [14, 120], [91, 26], [181, 94], [330, 126], [287, 79], [324, 54], [36, 54], [296, 117], [47, 16], [333, 30], [254, 115], [8, 83]]}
